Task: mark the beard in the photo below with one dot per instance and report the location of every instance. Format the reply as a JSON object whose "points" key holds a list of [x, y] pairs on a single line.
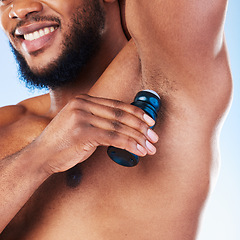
{"points": [[81, 43]]}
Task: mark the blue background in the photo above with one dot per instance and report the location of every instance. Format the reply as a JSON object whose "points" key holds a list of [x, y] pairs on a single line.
{"points": [[221, 220]]}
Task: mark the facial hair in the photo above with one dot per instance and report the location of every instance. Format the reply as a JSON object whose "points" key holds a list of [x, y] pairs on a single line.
{"points": [[81, 43]]}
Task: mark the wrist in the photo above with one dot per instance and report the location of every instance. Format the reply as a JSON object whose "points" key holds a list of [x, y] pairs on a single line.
{"points": [[33, 159]]}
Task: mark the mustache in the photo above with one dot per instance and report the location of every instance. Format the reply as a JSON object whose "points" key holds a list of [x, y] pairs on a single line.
{"points": [[34, 19]]}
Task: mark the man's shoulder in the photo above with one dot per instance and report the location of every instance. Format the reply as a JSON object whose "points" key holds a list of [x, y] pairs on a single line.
{"points": [[20, 124], [36, 106], [10, 114]]}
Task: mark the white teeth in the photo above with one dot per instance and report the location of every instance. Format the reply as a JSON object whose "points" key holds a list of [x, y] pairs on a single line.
{"points": [[46, 31], [37, 34], [31, 37], [41, 32]]}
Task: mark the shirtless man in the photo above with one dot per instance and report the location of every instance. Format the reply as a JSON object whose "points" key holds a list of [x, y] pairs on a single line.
{"points": [[178, 50]]}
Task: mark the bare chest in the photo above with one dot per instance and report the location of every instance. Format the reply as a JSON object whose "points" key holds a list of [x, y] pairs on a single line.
{"points": [[96, 200], [102, 200]]}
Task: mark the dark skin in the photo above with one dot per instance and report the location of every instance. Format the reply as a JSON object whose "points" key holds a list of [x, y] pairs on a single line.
{"points": [[183, 58]]}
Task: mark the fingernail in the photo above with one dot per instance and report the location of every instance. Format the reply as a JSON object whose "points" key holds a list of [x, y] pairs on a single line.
{"points": [[152, 135], [148, 120], [141, 149], [150, 147]]}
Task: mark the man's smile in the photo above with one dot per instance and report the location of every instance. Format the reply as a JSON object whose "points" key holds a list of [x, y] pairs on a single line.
{"points": [[36, 36]]}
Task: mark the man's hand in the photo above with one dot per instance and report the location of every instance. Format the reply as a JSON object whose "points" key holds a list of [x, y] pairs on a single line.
{"points": [[87, 122]]}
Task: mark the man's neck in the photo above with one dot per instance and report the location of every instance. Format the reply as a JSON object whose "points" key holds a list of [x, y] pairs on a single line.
{"points": [[86, 79]]}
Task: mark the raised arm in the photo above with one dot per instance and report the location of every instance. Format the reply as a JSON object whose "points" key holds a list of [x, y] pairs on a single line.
{"points": [[181, 36], [177, 27]]}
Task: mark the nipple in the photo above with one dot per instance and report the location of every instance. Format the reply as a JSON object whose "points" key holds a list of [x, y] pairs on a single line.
{"points": [[73, 177]]}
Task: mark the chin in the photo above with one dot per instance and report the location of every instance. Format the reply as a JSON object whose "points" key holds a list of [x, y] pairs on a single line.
{"points": [[41, 65]]}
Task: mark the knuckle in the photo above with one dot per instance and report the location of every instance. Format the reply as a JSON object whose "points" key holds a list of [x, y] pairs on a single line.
{"points": [[118, 113], [74, 119], [137, 111], [83, 129], [113, 135], [117, 103], [116, 125], [75, 115], [83, 96], [141, 126], [78, 116], [140, 137], [130, 142], [73, 103], [77, 103]]}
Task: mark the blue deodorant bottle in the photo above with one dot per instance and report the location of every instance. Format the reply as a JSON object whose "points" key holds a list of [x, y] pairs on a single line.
{"points": [[149, 101]]}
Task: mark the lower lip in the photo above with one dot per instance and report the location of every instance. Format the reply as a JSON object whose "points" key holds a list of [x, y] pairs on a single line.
{"points": [[39, 44]]}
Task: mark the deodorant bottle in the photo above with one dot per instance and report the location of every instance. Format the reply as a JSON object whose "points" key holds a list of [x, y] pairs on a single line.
{"points": [[149, 101]]}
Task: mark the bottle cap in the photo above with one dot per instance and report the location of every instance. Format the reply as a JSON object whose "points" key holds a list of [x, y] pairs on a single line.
{"points": [[151, 91], [150, 98]]}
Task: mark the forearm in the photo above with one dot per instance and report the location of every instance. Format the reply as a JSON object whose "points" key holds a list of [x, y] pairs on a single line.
{"points": [[21, 175]]}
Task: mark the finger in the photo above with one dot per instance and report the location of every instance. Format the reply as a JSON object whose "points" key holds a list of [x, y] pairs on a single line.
{"points": [[119, 140], [116, 115], [138, 112], [113, 125], [119, 128]]}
